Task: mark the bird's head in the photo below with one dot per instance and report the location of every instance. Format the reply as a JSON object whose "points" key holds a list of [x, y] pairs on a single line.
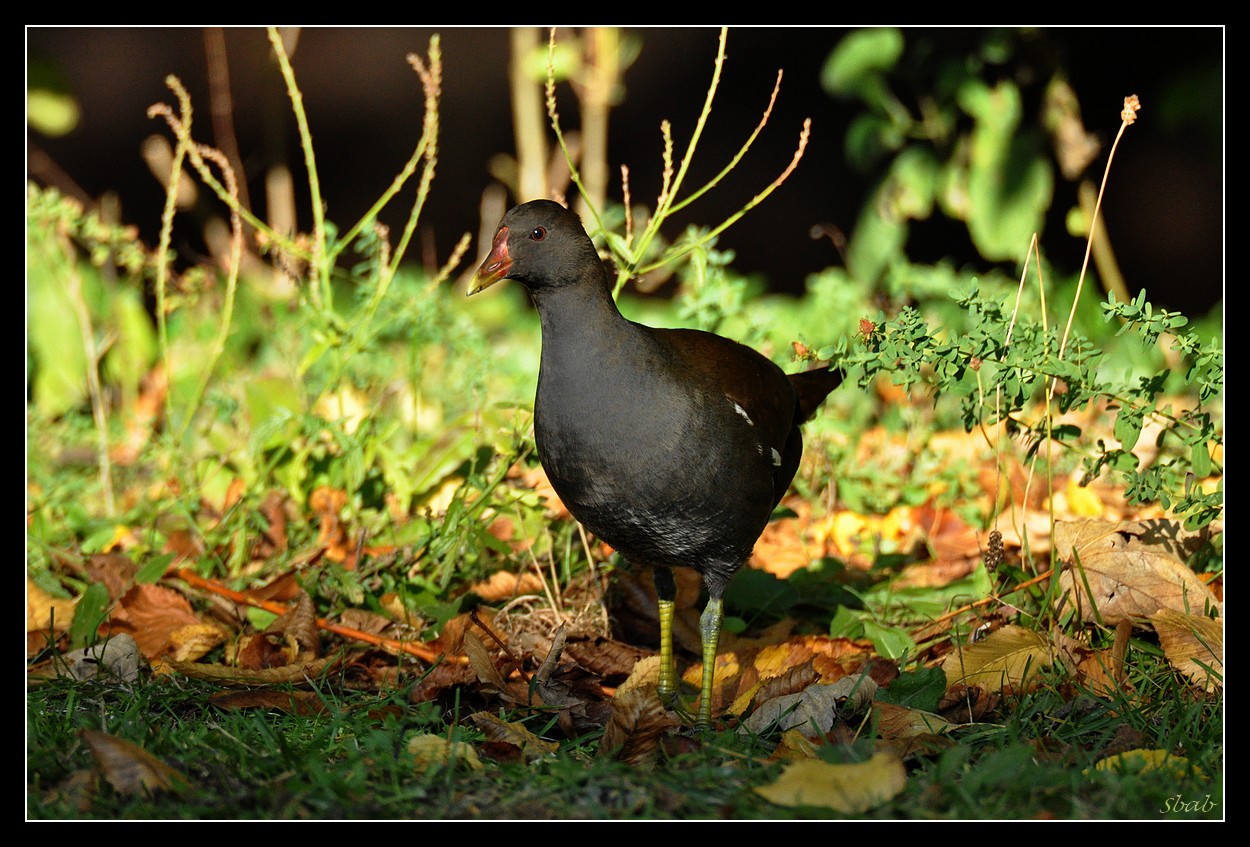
{"points": [[540, 244]]}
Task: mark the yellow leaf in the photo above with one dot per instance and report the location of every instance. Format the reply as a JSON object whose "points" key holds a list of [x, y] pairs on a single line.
{"points": [[1004, 658], [43, 611], [1081, 500], [851, 789], [195, 641], [1146, 761], [430, 750]]}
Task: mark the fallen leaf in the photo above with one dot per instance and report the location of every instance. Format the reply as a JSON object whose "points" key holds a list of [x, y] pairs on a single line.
{"points": [[152, 613], [299, 672], [515, 733], [431, 750], [850, 789], [305, 703], [43, 611], [129, 768], [1193, 644], [634, 727], [1145, 761], [814, 709], [1005, 657], [117, 657], [1128, 570], [505, 585], [894, 721], [967, 703]]}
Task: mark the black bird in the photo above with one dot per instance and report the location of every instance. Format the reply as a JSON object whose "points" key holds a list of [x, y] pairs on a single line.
{"points": [[672, 445]]}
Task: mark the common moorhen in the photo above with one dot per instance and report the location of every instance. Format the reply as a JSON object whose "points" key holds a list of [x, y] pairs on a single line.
{"points": [[672, 445]]}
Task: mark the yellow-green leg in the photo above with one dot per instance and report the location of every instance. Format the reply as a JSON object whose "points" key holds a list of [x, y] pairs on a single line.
{"points": [[709, 632], [666, 591], [709, 635]]}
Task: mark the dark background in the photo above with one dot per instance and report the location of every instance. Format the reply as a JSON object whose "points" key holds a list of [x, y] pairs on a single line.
{"points": [[1164, 209]]}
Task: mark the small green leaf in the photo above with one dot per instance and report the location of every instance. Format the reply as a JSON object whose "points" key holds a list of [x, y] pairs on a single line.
{"points": [[1200, 458], [891, 642], [154, 569], [1127, 427], [90, 612], [861, 59]]}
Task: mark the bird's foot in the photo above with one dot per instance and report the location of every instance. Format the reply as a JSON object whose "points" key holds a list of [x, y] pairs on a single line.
{"points": [[698, 722]]}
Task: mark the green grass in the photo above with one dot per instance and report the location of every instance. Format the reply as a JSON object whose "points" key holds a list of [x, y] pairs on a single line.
{"points": [[351, 761]]}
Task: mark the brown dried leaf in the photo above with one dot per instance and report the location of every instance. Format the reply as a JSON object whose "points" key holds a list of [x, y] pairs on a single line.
{"points": [[263, 651], [967, 703], [898, 722], [299, 622], [813, 710], [511, 732], [298, 672], [637, 721], [483, 665], [363, 620], [791, 681], [1193, 644], [115, 571], [1155, 534], [441, 677], [152, 614], [129, 768], [504, 585], [306, 703], [604, 656], [1133, 569]]}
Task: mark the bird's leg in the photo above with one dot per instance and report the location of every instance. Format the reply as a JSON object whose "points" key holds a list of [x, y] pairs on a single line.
{"points": [[666, 592], [709, 631]]}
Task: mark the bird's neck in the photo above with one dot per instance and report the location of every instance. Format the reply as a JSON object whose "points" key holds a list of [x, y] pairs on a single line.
{"points": [[580, 317]]}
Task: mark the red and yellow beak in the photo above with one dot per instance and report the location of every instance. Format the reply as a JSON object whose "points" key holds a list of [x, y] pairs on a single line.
{"points": [[495, 266]]}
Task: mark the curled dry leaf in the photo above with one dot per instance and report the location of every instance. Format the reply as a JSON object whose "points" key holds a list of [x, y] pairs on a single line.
{"points": [[487, 672], [850, 789], [129, 768], [814, 709], [1193, 644], [512, 732], [300, 623], [195, 641], [504, 585], [300, 672], [637, 721]]}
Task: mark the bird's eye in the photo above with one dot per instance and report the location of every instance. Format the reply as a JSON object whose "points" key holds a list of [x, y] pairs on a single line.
{"points": [[538, 233]]}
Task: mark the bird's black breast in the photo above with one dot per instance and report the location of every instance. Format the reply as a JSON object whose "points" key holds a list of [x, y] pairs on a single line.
{"points": [[656, 457]]}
